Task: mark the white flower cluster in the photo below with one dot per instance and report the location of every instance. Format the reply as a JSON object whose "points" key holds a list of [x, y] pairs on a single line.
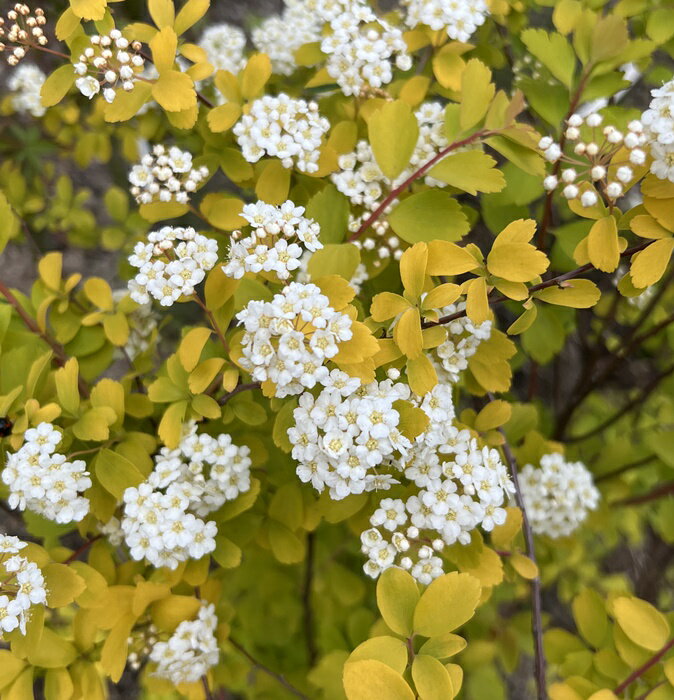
{"points": [[464, 337], [109, 61], [162, 516], [271, 245], [658, 121], [361, 49], [191, 650], [43, 481], [589, 172], [165, 175], [21, 585], [26, 82], [25, 30], [342, 437], [557, 496], [224, 45], [171, 264], [282, 127], [459, 17], [301, 23], [289, 339], [466, 490], [143, 322]]}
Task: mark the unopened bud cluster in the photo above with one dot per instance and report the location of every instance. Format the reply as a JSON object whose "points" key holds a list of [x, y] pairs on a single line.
{"points": [[165, 175], [595, 168], [171, 264], [279, 237], [109, 62], [21, 30], [21, 585]]}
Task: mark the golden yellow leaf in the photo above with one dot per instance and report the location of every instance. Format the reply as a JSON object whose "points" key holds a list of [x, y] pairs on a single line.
{"points": [[641, 622], [387, 305], [649, 265], [477, 305], [516, 262], [373, 680], [407, 333], [445, 258], [602, 244], [174, 91]]}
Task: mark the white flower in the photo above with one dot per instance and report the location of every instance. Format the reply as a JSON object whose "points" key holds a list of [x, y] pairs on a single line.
{"points": [[459, 19], [88, 86], [224, 45], [26, 82], [557, 496]]}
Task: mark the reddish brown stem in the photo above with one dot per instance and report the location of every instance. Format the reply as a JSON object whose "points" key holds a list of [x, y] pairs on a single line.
{"points": [[637, 673], [237, 390], [393, 194], [653, 495], [78, 552]]}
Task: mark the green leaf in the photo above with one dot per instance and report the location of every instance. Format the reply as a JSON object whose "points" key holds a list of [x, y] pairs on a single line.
{"points": [[116, 473], [397, 596], [393, 132], [330, 209], [471, 171], [373, 680], [447, 603], [553, 51], [56, 86], [429, 216], [334, 259], [388, 650], [477, 92]]}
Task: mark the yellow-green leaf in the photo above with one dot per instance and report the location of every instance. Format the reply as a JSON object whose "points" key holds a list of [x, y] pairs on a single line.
{"points": [[429, 216], [553, 51], [190, 13], [589, 613], [516, 262], [641, 622], [576, 293], [471, 171], [373, 680], [602, 244], [162, 12], [388, 650], [388, 305], [494, 414], [116, 473], [191, 347], [63, 585], [397, 596], [447, 603], [407, 333], [431, 679], [393, 132], [649, 265], [89, 9], [445, 258], [477, 92], [56, 86], [255, 75]]}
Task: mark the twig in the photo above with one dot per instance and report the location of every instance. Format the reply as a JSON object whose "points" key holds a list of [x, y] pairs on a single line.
{"points": [[637, 673], [281, 679], [648, 389], [625, 468], [207, 688], [554, 281], [393, 194], [59, 353], [306, 600], [237, 390], [653, 495], [536, 605], [78, 552]]}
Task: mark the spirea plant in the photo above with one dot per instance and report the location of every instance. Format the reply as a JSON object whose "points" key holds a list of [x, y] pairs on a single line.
{"points": [[372, 395]]}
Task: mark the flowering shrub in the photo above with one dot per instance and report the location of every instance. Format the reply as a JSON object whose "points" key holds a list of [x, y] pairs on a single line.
{"points": [[384, 353]]}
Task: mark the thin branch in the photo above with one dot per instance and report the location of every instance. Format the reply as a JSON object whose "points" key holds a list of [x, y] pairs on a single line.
{"points": [[59, 353], [554, 281], [654, 495], [78, 552], [207, 688], [625, 468], [237, 390], [637, 673], [256, 664], [636, 401], [536, 604], [422, 170]]}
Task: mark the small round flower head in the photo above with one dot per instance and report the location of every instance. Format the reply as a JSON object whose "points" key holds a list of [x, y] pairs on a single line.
{"points": [[108, 63], [282, 127], [278, 238], [190, 651], [43, 481], [162, 520], [171, 264], [165, 175], [224, 45], [459, 19], [289, 339], [363, 50], [558, 495], [25, 83], [22, 586], [589, 198]]}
